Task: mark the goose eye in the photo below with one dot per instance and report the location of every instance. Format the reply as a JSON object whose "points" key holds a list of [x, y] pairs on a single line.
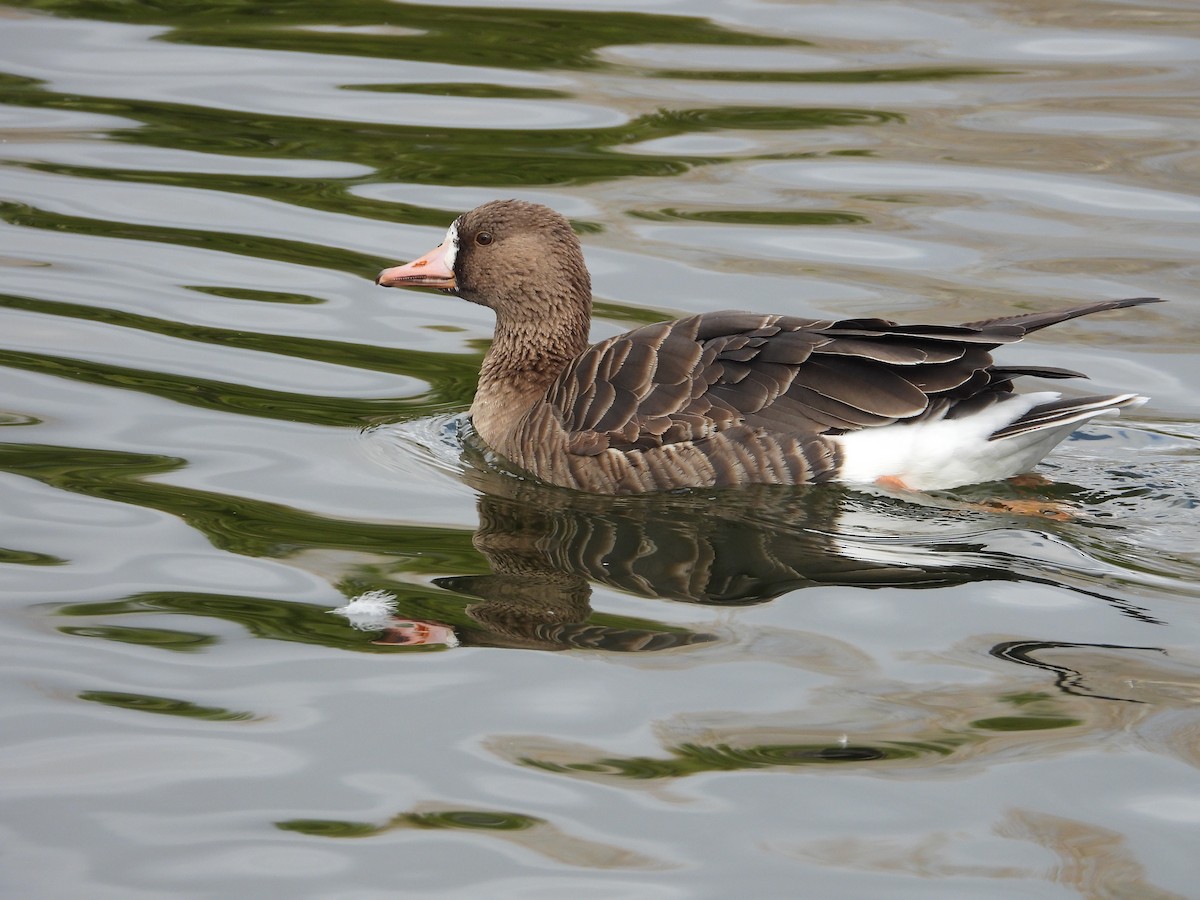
{"points": [[484, 237]]}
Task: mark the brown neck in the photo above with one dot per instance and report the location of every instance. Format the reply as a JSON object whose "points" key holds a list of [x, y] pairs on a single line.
{"points": [[524, 359]]}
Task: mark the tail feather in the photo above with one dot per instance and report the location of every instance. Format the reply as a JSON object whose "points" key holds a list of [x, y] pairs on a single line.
{"points": [[1066, 411], [1034, 321], [1002, 372]]}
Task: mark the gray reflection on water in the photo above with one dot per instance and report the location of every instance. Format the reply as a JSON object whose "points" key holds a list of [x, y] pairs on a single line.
{"points": [[545, 546]]}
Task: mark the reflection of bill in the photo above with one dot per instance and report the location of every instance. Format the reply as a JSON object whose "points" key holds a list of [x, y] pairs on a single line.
{"points": [[414, 632], [375, 611]]}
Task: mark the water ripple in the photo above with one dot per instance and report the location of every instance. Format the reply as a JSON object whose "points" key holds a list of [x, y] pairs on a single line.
{"points": [[214, 429]]}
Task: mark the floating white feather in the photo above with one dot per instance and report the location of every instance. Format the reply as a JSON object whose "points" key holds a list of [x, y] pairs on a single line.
{"points": [[371, 611]]}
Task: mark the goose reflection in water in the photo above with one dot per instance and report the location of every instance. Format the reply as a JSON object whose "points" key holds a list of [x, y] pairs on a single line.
{"points": [[546, 546]]}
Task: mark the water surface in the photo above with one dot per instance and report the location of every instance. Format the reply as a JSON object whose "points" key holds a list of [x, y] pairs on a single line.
{"points": [[216, 429]]}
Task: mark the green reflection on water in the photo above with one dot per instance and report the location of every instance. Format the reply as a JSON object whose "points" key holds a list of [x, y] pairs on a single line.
{"points": [[501, 157], [451, 376], [942, 740], [532, 833], [503, 37], [334, 828], [166, 706], [256, 296], [692, 759], [498, 157], [460, 35], [301, 623], [162, 638], [29, 558], [845, 76], [473, 156], [257, 528], [261, 617], [464, 89], [257, 246], [221, 395], [668, 123], [1025, 723], [238, 524], [8, 418], [754, 216], [466, 819]]}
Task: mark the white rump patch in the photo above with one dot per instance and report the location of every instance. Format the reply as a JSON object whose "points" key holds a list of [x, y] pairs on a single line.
{"points": [[947, 453], [451, 245]]}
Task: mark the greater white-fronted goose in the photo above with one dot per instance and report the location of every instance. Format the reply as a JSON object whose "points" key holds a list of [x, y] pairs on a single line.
{"points": [[732, 398]]}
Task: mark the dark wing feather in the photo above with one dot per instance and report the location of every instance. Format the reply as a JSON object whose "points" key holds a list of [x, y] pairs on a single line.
{"points": [[863, 384], [801, 403], [689, 379], [938, 378], [677, 354]]}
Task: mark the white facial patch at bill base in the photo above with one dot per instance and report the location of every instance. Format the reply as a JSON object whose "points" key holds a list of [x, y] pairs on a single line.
{"points": [[451, 245]]}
